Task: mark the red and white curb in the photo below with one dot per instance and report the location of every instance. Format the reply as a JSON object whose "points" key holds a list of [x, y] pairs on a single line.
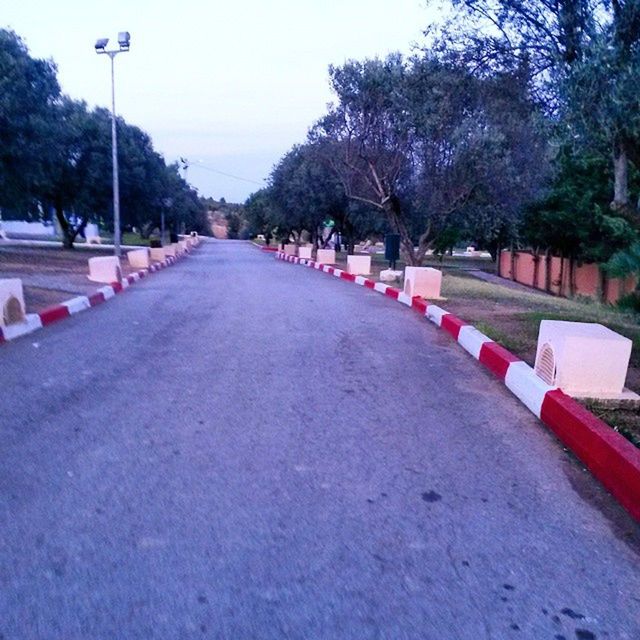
{"points": [[35, 321], [610, 457]]}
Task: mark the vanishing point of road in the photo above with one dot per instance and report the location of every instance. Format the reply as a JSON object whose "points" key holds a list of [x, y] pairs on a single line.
{"points": [[236, 448]]}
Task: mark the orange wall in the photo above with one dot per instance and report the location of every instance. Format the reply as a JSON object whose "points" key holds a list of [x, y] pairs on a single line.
{"points": [[587, 276]]}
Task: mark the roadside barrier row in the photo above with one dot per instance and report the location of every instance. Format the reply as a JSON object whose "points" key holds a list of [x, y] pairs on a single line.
{"points": [[610, 457], [57, 312]]}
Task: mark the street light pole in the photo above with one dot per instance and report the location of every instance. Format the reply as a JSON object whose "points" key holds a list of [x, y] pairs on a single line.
{"points": [[124, 40], [114, 158]]}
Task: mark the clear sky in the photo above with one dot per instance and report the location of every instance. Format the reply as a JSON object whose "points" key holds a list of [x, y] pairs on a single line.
{"points": [[230, 85]]}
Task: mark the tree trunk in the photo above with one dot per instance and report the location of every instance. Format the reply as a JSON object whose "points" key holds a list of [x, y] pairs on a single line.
{"points": [[548, 259], [394, 213], [621, 176], [67, 232]]}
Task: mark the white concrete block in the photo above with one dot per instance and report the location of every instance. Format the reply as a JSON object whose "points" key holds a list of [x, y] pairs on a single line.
{"points": [[326, 256], [157, 254], [169, 251], [12, 307], [139, 258], [105, 269], [359, 265], [30, 323], [184, 246], [582, 358], [472, 340], [422, 281], [289, 249], [523, 382], [305, 252]]}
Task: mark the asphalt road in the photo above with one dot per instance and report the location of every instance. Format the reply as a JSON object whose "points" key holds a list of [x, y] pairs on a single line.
{"points": [[239, 448]]}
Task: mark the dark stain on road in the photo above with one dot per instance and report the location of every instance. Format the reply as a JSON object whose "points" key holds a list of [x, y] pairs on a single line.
{"points": [[583, 634], [570, 613], [431, 496]]}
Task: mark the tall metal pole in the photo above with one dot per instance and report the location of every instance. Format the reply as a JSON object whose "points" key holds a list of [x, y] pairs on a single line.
{"points": [[114, 157]]}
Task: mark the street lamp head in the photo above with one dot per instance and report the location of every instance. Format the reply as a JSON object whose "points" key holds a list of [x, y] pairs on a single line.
{"points": [[124, 39], [101, 44]]}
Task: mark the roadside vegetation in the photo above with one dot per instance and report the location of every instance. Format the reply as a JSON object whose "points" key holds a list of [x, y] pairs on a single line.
{"points": [[56, 159]]}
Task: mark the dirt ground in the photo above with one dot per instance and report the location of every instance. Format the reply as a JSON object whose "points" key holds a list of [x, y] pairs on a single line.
{"points": [[50, 275], [512, 315]]}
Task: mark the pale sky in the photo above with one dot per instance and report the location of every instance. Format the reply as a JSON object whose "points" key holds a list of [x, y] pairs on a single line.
{"points": [[230, 85]]}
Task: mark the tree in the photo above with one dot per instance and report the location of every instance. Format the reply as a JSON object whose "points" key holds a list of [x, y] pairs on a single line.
{"points": [[28, 93], [370, 137], [584, 59]]}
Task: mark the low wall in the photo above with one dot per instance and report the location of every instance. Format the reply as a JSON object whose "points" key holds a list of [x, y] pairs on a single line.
{"points": [[563, 276], [28, 228]]}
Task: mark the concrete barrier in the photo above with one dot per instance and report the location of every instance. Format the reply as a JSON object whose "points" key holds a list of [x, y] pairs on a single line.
{"points": [[422, 281], [290, 249], [359, 265], [583, 359], [106, 269], [326, 256], [169, 251], [139, 258], [305, 252], [12, 308], [157, 254], [184, 246]]}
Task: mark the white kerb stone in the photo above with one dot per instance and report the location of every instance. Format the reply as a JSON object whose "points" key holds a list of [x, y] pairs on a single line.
{"points": [[582, 358], [359, 265], [422, 281], [105, 269]]}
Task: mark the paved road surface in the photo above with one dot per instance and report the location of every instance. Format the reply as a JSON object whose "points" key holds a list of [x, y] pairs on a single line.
{"points": [[238, 448]]}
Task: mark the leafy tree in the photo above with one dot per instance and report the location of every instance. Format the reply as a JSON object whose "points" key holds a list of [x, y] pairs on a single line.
{"points": [[28, 93]]}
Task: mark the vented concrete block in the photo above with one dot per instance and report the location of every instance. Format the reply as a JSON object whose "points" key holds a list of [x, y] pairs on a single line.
{"points": [[422, 281], [583, 359], [139, 258], [359, 265], [326, 256], [12, 309], [157, 254], [105, 269]]}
